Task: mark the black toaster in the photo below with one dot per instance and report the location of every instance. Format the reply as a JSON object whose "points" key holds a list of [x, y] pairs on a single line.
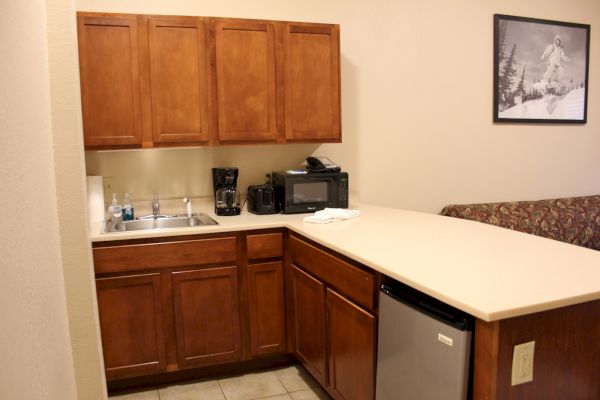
{"points": [[261, 199]]}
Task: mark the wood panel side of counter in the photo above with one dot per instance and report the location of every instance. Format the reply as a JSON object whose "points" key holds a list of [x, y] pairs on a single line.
{"points": [[566, 361], [485, 360]]}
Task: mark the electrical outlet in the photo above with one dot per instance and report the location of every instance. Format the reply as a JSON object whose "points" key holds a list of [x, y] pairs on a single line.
{"points": [[108, 182], [522, 366]]}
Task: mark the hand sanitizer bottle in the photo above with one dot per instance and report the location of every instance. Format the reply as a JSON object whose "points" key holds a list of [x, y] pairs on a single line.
{"points": [[127, 209], [115, 210]]}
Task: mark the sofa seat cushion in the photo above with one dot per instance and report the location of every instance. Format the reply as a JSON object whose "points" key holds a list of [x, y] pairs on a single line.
{"points": [[574, 220]]}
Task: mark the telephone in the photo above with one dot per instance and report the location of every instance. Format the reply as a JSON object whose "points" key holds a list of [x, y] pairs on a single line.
{"points": [[321, 164]]}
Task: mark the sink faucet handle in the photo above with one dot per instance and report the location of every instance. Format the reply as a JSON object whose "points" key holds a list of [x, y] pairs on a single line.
{"points": [[155, 205], [188, 202]]}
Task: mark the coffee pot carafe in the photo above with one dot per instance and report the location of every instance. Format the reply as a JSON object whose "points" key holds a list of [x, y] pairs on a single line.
{"points": [[227, 197]]}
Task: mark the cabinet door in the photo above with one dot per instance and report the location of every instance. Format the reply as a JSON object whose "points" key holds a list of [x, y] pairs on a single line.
{"points": [[351, 349], [266, 306], [131, 324], [245, 59], [178, 80], [110, 86], [312, 82], [308, 297], [206, 311]]}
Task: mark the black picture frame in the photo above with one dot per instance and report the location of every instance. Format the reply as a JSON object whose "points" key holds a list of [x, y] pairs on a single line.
{"points": [[556, 91]]}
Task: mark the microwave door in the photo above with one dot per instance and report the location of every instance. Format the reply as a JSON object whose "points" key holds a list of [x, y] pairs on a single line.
{"points": [[312, 195]]}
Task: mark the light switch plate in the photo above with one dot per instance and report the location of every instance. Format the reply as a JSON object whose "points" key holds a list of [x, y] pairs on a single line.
{"points": [[522, 366]]}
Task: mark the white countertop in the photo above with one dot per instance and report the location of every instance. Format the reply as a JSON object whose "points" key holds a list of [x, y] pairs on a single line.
{"points": [[486, 271]]}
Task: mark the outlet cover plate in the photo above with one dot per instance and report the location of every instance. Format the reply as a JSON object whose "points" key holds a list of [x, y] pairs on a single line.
{"points": [[522, 366]]}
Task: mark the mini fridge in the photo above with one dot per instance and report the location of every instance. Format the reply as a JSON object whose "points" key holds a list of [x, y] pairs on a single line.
{"points": [[424, 346]]}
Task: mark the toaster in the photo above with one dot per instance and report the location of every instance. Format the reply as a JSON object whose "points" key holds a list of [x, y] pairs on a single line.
{"points": [[261, 199]]}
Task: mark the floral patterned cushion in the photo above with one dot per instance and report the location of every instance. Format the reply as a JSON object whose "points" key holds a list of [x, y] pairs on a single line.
{"points": [[573, 220]]}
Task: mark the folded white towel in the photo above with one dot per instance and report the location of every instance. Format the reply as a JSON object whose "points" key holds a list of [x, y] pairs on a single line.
{"points": [[331, 215]]}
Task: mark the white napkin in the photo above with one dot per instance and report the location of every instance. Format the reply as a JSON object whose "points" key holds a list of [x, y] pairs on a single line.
{"points": [[331, 215]]}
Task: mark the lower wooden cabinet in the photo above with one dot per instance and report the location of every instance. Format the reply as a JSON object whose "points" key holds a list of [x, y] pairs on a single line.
{"points": [[189, 302], [131, 322], [334, 337], [201, 301], [352, 348], [308, 298], [266, 308], [206, 314]]}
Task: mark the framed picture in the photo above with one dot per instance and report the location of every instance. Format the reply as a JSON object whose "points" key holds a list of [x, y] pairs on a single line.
{"points": [[540, 70]]}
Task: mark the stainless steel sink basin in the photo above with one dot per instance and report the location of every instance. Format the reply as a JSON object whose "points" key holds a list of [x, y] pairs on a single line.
{"points": [[160, 223]]}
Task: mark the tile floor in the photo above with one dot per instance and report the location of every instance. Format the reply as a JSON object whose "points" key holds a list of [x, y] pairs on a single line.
{"points": [[287, 383]]}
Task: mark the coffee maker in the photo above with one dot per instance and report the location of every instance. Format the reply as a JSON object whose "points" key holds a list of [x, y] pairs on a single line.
{"points": [[227, 197]]}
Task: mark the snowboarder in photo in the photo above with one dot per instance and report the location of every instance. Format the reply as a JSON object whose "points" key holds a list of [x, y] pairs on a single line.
{"points": [[555, 54]]}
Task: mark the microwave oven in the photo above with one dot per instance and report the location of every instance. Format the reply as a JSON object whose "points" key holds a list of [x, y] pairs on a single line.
{"points": [[310, 192]]}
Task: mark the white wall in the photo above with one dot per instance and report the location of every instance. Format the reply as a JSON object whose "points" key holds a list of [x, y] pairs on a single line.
{"points": [[69, 167], [34, 336], [416, 103]]}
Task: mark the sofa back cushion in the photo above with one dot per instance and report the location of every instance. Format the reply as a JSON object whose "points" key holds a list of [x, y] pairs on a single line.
{"points": [[574, 220]]}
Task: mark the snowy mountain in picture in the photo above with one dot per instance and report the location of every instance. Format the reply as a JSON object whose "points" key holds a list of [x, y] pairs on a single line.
{"points": [[568, 106]]}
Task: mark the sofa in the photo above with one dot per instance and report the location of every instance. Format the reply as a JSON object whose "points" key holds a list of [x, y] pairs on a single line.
{"points": [[574, 220]]}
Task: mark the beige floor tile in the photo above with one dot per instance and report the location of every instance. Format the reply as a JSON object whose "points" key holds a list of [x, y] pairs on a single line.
{"points": [[206, 390], [295, 378], [145, 395], [310, 394], [252, 386], [278, 397]]}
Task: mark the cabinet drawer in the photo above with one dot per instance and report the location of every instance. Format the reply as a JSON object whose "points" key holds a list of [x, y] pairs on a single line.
{"points": [[353, 282], [164, 255], [268, 245]]}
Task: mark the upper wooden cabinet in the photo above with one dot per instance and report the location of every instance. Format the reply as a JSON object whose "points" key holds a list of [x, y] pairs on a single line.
{"points": [[179, 72], [167, 80], [110, 80], [312, 82], [245, 77]]}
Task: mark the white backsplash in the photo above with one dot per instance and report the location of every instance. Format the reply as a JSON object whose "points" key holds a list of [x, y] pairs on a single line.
{"points": [[174, 173]]}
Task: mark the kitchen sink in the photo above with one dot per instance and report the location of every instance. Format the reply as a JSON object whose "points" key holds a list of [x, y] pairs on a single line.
{"points": [[160, 223]]}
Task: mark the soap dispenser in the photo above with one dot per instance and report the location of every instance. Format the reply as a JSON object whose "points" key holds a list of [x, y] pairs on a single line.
{"points": [[128, 214], [115, 211]]}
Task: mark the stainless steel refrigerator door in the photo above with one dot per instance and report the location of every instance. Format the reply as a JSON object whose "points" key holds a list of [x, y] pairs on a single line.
{"points": [[419, 357]]}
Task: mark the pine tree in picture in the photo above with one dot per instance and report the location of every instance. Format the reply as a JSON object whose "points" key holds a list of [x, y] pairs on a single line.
{"points": [[505, 80], [520, 90]]}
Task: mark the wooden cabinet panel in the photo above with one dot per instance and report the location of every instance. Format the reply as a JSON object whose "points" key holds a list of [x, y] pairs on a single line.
{"points": [[267, 245], [206, 312], [352, 335], [131, 324], [266, 306], [308, 297], [353, 282], [162, 80], [109, 74], [161, 255], [245, 77], [179, 79], [312, 82], [566, 361]]}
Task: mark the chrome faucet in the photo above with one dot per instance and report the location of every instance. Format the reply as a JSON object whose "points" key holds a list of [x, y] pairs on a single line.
{"points": [[188, 203], [155, 206]]}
